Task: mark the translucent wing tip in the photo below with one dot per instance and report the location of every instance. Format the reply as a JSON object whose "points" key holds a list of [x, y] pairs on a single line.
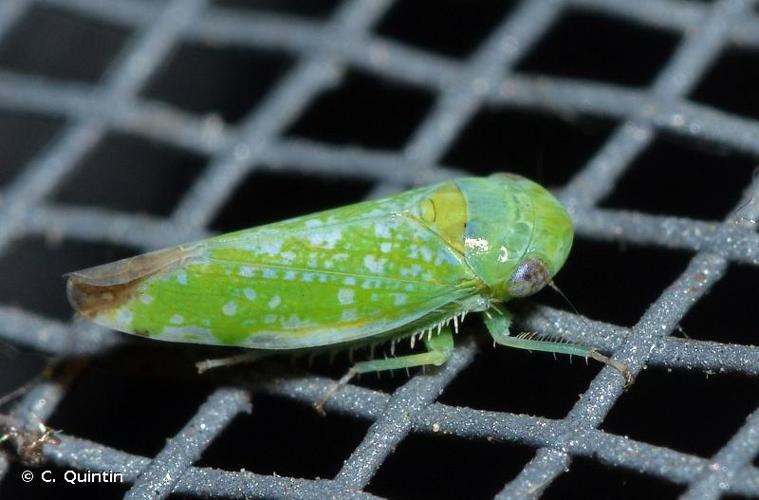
{"points": [[107, 286], [89, 300]]}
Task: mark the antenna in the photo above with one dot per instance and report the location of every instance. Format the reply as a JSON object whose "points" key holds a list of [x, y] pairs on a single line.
{"points": [[563, 296], [620, 367]]}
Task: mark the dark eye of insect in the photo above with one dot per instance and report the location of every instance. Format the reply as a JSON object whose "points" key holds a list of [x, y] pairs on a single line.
{"points": [[529, 278]]}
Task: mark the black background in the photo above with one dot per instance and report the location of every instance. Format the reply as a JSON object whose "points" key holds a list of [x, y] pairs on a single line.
{"points": [[121, 401]]}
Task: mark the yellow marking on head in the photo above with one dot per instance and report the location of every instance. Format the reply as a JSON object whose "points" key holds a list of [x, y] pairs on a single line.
{"points": [[445, 212]]}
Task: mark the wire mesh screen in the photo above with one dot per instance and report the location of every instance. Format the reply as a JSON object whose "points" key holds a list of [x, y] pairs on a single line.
{"points": [[130, 126]]}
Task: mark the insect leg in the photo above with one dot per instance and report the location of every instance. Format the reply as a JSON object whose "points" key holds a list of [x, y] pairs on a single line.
{"points": [[246, 357], [498, 327], [439, 349]]}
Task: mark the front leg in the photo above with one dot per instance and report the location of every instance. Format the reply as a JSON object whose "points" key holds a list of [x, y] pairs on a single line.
{"points": [[498, 323]]}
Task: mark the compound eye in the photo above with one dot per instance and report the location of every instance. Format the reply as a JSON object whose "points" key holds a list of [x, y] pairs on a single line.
{"points": [[529, 278]]}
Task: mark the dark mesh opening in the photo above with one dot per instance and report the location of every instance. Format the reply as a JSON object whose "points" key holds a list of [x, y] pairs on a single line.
{"points": [[34, 265], [595, 278], [132, 174], [290, 439], [391, 111], [24, 134], [674, 179], [720, 316], [594, 480], [136, 408], [451, 27], [731, 82], [73, 47], [446, 461], [543, 147], [588, 46], [21, 366], [255, 201], [241, 78], [311, 8], [520, 382], [671, 399]]}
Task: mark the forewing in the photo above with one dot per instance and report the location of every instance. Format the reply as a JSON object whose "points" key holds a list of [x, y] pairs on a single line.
{"points": [[326, 279]]}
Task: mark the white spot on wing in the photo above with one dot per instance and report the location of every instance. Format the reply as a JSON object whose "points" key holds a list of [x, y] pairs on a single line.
{"points": [[124, 317], [288, 257], [246, 271], [477, 244], [177, 319], [146, 299], [292, 322], [250, 294], [349, 315], [182, 277], [414, 271], [503, 254], [345, 296], [386, 246], [312, 260], [426, 254], [271, 247], [332, 238], [382, 230], [374, 265], [326, 238], [186, 332], [368, 284], [229, 309], [274, 302]]}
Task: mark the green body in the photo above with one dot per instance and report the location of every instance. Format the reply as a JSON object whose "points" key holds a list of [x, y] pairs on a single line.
{"points": [[362, 273]]}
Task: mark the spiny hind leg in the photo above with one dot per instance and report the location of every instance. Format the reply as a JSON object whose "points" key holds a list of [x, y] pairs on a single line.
{"points": [[439, 349], [498, 323]]}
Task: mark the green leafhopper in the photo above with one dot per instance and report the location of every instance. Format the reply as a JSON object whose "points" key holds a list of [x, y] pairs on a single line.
{"points": [[409, 266]]}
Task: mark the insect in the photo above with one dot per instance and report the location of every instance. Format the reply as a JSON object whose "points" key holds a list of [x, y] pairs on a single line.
{"points": [[409, 266]]}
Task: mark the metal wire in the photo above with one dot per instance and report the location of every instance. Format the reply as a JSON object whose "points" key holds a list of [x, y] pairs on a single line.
{"points": [[324, 50]]}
